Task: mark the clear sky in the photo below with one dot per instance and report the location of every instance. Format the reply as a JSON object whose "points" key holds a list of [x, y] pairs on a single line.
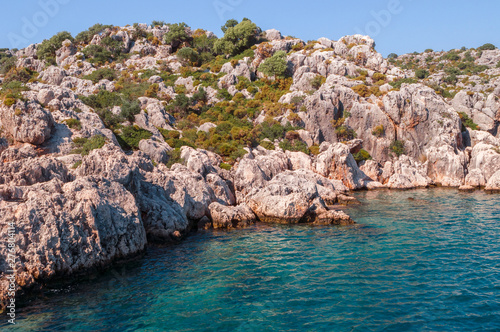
{"points": [[399, 26]]}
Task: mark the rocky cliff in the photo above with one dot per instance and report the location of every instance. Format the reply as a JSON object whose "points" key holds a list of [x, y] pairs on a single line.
{"points": [[125, 136]]}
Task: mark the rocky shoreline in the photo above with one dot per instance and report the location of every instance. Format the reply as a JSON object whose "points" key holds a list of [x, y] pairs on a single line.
{"points": [[76, 211]]}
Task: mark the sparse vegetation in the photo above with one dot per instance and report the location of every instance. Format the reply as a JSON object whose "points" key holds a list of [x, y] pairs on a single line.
{"points": [[83, 145], [397, 147]]}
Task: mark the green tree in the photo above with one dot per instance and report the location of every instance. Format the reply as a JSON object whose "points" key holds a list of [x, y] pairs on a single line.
{"points": [[85, 37], [487, 46], [47, 49], [177, 35], [187, 56], [275, 65], [421, 73], [229, 24], [238, 38]]}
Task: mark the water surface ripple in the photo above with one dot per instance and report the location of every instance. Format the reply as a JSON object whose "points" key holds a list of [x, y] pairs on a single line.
{"points": [[426, 260]]}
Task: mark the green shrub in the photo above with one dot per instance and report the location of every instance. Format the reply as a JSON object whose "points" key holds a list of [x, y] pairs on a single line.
{"points": [[47, 49], [83, 145], [130, 110], [362, 155], [176, 35], [100, 74], [7, 63], [275, 65], [130, 137], [237, 38], [378, 131], [267, 145], [467, 122], [187, 56], [451, 79], [345, 133], [77, 164], [295, 145], [157, 24], [97, 54], [397, 84], [73, 124], [378, 77], [317, 82], [421, 73], [397, 147], [20, 74], [314, 150], [225, 166], [103, 99], [85, 37], [174, 157], [11, 92], [487, 46]]}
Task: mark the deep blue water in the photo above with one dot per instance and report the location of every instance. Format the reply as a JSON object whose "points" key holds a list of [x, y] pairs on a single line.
{"points": [[428, 264]]}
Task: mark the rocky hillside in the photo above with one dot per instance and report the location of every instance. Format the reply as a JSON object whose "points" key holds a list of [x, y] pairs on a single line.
{"points": [[123, 136]]}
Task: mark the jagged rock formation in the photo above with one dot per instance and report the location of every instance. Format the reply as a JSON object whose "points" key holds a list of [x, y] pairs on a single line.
{"points": [[100, 157]]}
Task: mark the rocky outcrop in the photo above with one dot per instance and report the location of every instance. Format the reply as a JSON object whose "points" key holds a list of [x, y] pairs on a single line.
{"points": [[69, 228], [228, 217], [289, 198], [335, 161], [26, 122], [155, 149]]}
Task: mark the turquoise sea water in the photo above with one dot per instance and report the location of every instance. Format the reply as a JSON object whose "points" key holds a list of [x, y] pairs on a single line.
{"points": [[428, 263]]}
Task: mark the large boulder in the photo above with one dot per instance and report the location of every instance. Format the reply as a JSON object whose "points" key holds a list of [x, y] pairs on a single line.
{"points": [[336, 162], [155, 149], [289, 198], [227, 217], [26, 122]]}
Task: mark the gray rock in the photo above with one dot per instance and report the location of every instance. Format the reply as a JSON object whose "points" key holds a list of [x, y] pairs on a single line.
{"points": [[155, 149], [227, 217], [66, 228], [206, 127], [288, 198], [273, 34], [26, 122], [53, 75]]}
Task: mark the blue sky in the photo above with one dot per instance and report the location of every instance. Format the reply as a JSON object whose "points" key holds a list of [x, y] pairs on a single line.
{"points": [[399, 26]]}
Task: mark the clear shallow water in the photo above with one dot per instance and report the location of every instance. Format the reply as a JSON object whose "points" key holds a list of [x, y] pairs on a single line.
{"points": [[428, 264]]}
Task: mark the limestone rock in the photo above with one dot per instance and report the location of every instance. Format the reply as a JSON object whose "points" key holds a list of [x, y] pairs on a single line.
{"points": [[155, 149], [26, 122], [66, 228], [494, 182], [227, 217], [336, 162]]}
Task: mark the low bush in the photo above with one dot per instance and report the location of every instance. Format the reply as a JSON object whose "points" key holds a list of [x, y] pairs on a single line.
{"points": [[73, 124], [100, 74], [174, 157], [397, 147], [362, 155], [378, 131], [130, 137], [83, 145], [421, 73], [467, 122]]}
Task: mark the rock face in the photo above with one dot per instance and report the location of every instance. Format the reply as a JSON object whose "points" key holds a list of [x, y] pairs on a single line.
{"points": [[27, 123], [336, 162], [227, 217], [289, 198], [79, 225]]}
